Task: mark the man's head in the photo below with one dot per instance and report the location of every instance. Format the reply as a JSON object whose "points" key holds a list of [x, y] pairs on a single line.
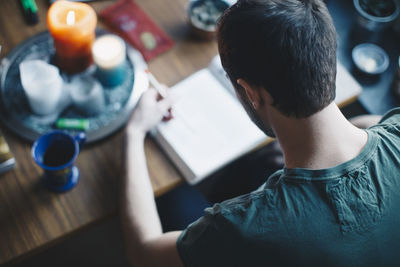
{"points": [[286, 47]]}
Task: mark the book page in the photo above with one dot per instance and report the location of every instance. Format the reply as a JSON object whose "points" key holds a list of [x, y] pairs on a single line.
{"points": [[218, 71], [346, 86], [210, 127]]}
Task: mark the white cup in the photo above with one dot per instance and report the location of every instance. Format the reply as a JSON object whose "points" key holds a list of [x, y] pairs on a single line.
{"points": [[42, 84]]}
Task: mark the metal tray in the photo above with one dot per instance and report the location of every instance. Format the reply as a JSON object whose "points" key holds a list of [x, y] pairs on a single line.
{"points": [[16, 114]]}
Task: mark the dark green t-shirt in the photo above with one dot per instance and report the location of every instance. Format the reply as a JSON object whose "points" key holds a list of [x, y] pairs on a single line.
{"points": [[348, 215]]}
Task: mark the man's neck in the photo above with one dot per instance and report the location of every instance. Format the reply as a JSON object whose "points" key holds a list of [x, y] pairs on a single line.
{"points": [[323, 140]]}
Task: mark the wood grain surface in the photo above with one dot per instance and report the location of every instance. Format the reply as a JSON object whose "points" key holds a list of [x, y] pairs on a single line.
{"points": [[31, 218]]}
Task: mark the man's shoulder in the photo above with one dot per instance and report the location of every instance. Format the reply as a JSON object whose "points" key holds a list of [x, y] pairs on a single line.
{"points": [[265, 191], [228, 217], [389, 126], [390, 119], [257, 203]]}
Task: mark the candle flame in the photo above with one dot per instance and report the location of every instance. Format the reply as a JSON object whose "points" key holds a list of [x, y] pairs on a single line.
{"points": [[71, 18]]}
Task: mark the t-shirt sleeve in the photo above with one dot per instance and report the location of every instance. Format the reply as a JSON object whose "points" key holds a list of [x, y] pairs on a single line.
{"points": [[389, 128], [198, 243], [392, 117]]}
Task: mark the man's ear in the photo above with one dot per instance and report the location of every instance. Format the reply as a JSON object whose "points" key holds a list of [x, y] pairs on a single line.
{"points": [[252, 93], [256, 96]]}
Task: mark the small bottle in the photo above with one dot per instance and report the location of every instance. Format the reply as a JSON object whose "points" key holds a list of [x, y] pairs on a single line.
{"points": [[396, 82]]}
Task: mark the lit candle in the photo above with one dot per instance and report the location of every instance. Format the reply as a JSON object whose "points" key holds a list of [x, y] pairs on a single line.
{"points": [[109, 53], [72, 26]]}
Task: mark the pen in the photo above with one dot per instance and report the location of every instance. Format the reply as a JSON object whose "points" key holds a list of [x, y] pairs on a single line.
{"points": [[153, 81], [161, 91], [30, 11]]}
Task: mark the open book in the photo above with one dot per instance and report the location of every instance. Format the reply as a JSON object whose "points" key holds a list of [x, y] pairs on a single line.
{"points": [[210, 127]]}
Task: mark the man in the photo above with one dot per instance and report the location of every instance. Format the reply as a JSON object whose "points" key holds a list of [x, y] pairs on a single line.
{"points": [[337, 200]]}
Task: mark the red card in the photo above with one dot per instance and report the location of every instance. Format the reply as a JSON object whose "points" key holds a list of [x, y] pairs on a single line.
{"points": [[136, 27]]}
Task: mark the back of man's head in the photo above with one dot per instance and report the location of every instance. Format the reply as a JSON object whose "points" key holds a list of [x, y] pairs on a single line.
{"points": [[287, 47]]}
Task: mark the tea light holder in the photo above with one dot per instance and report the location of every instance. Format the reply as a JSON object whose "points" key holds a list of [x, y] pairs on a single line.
{"points": [[87, 95], [109, 55]]}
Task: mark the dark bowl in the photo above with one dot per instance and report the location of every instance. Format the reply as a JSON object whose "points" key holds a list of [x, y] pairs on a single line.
{"points": [[203, 16], [370, 58]]}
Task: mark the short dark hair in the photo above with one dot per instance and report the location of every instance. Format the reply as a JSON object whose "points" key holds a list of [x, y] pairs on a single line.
{"points": [[287, 47]]}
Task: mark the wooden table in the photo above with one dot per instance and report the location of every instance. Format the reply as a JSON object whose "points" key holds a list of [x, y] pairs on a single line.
{"points": [[31, 218]]}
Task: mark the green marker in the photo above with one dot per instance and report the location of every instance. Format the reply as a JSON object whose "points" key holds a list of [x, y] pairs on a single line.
{"points": [[30, 11], [72, 124]]}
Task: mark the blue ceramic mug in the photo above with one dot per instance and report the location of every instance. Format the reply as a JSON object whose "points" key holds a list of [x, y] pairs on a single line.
{"points": [[55, 152]]}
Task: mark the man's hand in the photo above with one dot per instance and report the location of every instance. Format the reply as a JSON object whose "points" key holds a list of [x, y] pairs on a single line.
{"points": [[149, 111]]}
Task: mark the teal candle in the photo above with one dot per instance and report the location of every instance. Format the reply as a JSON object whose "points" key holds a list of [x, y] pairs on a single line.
{"points": [[109, 55], [112, 76]]}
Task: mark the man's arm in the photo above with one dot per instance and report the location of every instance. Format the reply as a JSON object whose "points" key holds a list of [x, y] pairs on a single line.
{"points": [[146, 244]]}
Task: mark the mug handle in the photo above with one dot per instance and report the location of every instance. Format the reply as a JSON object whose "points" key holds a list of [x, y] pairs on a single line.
{"points": [[80, 138]]}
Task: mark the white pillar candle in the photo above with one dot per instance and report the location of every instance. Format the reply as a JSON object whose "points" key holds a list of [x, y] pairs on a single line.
{"points": [[42, 84]]}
